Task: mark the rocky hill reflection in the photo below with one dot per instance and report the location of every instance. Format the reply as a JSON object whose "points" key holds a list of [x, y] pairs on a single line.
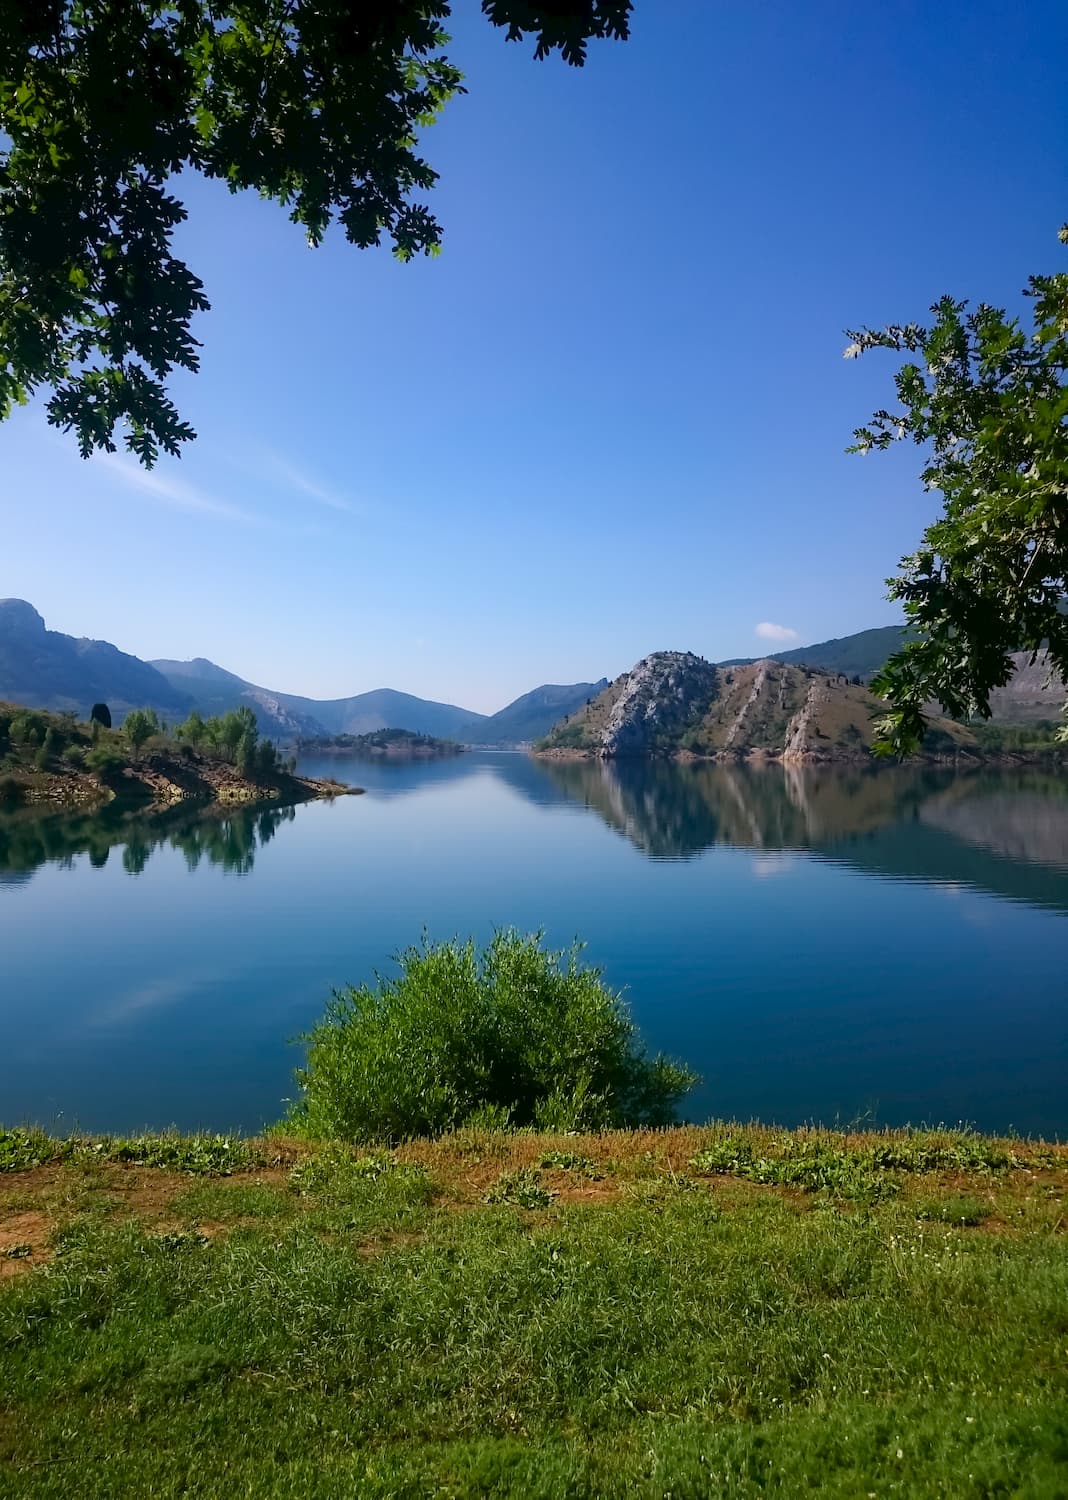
{"points": [[1004, 831], [672, 811]]}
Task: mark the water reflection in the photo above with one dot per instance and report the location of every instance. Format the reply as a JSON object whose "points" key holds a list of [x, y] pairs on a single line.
{"points": [[1005, 831], [226, 837], [1002, 831]]}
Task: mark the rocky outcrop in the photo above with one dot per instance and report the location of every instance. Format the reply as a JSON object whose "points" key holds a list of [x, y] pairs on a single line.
{"points": [[676, 704], [663, 696]]}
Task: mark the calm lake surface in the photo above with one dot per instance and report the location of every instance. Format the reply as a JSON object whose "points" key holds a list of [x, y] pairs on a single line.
{"points": [[820, 946]]}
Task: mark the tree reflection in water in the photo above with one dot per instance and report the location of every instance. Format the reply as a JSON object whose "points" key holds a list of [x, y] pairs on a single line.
{"points": [[226, 837]]}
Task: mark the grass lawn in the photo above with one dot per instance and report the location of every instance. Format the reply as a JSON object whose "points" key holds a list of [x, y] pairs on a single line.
{"points": [[725, 1311]]}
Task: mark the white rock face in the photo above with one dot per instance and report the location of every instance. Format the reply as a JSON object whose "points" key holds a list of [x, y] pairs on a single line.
{"points": [[664, 694]]}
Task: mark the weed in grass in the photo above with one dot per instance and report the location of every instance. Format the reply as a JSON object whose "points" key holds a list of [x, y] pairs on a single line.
{"points": [[571, 1161], [523, 1189], [823, 1163], [21, 1150], [362, 1192], [961, 1208], [224, 1203]]}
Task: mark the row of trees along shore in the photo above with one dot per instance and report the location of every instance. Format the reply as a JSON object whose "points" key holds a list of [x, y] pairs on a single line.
{"points": [[46, 740]]}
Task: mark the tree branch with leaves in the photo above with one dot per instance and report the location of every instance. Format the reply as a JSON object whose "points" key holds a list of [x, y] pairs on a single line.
{"points": [[315, 104], [989, 402]]}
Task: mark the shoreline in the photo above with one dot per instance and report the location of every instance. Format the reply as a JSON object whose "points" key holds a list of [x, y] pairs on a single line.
{"points": [[158, 785], [964, 760]]}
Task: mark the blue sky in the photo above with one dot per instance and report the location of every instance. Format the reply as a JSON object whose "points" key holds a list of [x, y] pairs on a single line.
{"points": [[611, 416]]}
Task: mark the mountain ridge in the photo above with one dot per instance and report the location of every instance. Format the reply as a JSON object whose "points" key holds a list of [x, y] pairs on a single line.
{"points": [[47, 669]]}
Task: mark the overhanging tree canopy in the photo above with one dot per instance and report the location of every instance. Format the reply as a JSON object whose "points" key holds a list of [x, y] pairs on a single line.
{"points": [[990, 402], [313, 103]]}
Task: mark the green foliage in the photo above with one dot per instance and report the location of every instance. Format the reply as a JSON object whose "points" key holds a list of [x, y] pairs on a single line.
{"points": [[570, 737], [218, 1155], [28, 728], [193, 730], [12, 792], [74, 755], [50, 748], [139, 725], [105, 760], [513, 1026], [989, 402], [570, 1161], [314, 106], [1023, 738], [823, 1164], [962, 1209], [245, 755], [523, 1189]]}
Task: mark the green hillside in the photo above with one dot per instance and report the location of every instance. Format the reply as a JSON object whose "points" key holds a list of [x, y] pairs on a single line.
{"points": [[859, 655]]}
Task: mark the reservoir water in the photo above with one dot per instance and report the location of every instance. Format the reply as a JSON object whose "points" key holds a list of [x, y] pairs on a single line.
{"points": [[824, 946]]}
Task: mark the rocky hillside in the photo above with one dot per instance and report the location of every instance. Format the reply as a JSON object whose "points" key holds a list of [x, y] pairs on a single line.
{"points": [[676, 704]]}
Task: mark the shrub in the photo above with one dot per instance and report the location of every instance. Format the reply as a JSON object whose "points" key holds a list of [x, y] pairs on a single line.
{"points": [[50, 747], [531, 1034], [12, 791], [74, 755], [105, 760]]}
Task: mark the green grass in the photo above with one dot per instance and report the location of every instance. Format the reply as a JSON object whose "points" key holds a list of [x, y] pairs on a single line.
{"points": [[344, 1321]]}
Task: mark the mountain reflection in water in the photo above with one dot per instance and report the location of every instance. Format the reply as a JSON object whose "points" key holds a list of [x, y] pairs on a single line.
{"points": [[1001, 830], [818, 943]]}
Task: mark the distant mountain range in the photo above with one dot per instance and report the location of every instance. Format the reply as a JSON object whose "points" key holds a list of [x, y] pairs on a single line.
{"points": [[43, 668], [46, 669]]}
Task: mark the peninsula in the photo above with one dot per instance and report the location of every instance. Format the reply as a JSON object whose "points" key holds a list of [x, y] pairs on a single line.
{"points": [[55, 760]]}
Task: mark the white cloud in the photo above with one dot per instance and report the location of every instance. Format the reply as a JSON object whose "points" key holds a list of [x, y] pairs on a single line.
{"points": [[173, 491], [767, 631], [308, 486]]}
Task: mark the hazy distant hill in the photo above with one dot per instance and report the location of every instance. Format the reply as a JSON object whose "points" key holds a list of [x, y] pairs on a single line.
{"points": [[859, 655], [531, 715], [216, 689], [44, 668]]}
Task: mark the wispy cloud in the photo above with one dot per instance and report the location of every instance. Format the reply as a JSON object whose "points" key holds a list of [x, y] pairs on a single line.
{"points": [[768, 631], [154, 995], [173, 491], [296, 479]]}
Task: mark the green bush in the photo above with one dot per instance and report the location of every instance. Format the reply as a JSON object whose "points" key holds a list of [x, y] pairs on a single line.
{"points": [[105, 760], [12, 791], [513, 1027]]}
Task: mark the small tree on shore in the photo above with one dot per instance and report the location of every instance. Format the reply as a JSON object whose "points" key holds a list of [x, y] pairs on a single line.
{"points": [[139, 726], [193, 730]]}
